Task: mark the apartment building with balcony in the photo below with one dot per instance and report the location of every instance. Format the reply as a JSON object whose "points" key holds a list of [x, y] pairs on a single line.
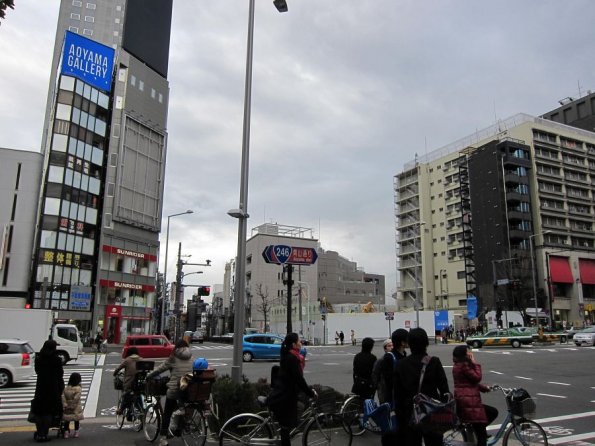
{"points": [[469, 215]]}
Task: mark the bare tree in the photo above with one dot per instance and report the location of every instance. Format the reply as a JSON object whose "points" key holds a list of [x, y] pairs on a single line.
{"points": [[263, 304], [3, 5]]}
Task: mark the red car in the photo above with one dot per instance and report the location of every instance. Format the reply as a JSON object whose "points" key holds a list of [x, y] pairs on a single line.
{"points": [[149, 346]]}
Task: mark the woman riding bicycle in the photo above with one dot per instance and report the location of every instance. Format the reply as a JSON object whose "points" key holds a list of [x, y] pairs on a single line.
{"points": [[467, 381], [179, 364], [129, 366]]}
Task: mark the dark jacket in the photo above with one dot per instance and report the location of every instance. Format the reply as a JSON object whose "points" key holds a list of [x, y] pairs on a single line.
{"points": [[49, 385], [363, 365], [467, 381], [406, 383], [387, 367], [287, 386]]}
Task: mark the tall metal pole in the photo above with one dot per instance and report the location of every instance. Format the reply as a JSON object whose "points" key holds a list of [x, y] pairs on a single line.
{"points": [[533, 276], [240, 282], [533, 279], [164, 296], [417, 264]]}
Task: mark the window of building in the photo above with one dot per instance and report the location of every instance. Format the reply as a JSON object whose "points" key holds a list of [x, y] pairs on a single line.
{"points": [[91, 6], [141, 85], [87, 32], [74, 16], [160, 98], [110, 189], [153, 93], [77, 3], [89, 19], [73, 29]]}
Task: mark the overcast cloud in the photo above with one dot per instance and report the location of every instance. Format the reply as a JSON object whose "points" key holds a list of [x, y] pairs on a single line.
{"points": [[345, 92]]}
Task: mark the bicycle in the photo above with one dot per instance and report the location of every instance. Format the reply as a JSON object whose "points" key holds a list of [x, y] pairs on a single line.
{"points": [[317, 426], [517, 428], [154, 389], [134, 408], [352, 413]]}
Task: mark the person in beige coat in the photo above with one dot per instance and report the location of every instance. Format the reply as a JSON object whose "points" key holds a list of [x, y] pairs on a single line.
{"points": [[178, 364], [71, 404], [129, 366]]}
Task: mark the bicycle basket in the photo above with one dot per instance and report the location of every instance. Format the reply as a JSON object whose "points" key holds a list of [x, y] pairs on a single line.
{"points": [[119, 381], [327, 399], [156, 386], [521, 404]]}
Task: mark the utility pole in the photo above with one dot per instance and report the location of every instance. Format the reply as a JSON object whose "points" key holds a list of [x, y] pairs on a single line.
{"points": [[179, 294], [289, 282]]}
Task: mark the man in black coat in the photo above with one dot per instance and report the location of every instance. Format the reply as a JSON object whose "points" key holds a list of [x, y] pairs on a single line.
{"points": [[363, 364], [47, 403], [406, 384]]}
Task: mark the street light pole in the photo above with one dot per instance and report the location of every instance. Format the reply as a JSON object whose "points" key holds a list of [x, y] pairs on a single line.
{"points": [[533, 275], [242, 212], [307, 307], [164, 295]]}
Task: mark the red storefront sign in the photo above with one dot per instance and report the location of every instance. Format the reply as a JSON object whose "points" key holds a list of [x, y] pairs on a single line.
{"points": [[127, 286], [129, 253], [113, 311]]}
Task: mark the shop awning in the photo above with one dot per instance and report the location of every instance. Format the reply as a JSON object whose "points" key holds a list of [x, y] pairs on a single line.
{"points": [[587, 270], [560, 270]]}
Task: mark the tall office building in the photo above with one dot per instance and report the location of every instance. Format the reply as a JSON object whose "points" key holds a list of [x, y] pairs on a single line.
{"points": [[104, 146], [502, 219]]}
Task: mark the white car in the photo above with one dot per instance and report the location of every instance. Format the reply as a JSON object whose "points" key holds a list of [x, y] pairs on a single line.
{"points": [[585, 337], [17, 361]]}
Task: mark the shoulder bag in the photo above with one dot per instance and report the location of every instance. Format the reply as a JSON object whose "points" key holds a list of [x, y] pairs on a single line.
{"points": [[431, 415]]}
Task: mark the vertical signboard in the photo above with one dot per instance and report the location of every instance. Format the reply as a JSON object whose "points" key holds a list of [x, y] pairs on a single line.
{"points": [[88, 60]]}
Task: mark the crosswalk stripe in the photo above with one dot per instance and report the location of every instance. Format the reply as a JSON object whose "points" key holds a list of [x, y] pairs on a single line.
{"points": [[17, 401]]}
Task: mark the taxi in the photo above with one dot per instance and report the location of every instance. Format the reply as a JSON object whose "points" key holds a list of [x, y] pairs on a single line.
{"points": [[500, 337]]}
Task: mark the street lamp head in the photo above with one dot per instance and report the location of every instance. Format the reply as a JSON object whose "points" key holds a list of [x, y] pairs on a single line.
{"points": [[281, 5], [237, 213], [189, 211], [208, 262]]}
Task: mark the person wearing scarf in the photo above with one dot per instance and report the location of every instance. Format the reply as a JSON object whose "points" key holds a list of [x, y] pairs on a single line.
{"points": [[289, 382]]}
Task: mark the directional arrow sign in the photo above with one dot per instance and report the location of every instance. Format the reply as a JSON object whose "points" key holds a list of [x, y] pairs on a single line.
{"points": [[290, 255]]}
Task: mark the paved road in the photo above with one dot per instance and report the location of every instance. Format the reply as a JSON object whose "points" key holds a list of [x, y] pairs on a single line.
{"points": [[560, 377]]}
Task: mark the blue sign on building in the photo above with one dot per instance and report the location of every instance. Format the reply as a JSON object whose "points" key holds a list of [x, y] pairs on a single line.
{"points": [[88, 60], [80, 298], [440, 319]]}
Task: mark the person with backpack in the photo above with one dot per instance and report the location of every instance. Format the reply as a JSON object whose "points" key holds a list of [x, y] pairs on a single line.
{"points": [[387, 371], [377, 378]]}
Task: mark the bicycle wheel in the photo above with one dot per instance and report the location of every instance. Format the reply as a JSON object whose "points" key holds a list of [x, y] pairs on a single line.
{"points": [[459, 437], [138, 414], [194, 432], [326, 429], [120, 417], [152, 424], [524, 433], [244, 427], [352, 415]]}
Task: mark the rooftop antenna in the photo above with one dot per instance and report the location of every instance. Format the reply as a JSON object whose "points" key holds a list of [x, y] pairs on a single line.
{"points": [[579, 88]]}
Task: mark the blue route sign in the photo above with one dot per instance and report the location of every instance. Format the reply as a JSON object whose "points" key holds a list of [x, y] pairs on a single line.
{"points": [[289, 255]]}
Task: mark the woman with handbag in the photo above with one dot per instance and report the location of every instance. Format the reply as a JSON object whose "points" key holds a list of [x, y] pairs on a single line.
{"points": [[407, 385], [47, 403], [467, 379]]}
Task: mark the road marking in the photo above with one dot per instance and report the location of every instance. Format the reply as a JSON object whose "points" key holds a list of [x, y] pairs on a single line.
{"points": [[330, 363], [524, 377], [93, 396], [551, 396], [569, 438], [560, 384], [496, 373]]}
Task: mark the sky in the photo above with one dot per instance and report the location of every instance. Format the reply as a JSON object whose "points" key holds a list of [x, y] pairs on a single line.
{"points": [[344, 94]]}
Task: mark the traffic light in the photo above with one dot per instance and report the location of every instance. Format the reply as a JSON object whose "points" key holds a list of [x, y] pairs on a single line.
{"points": [[204, 290]]}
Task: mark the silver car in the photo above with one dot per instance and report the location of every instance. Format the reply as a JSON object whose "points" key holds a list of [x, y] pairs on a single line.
{"points": [[17, 360], [585, 337]]}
